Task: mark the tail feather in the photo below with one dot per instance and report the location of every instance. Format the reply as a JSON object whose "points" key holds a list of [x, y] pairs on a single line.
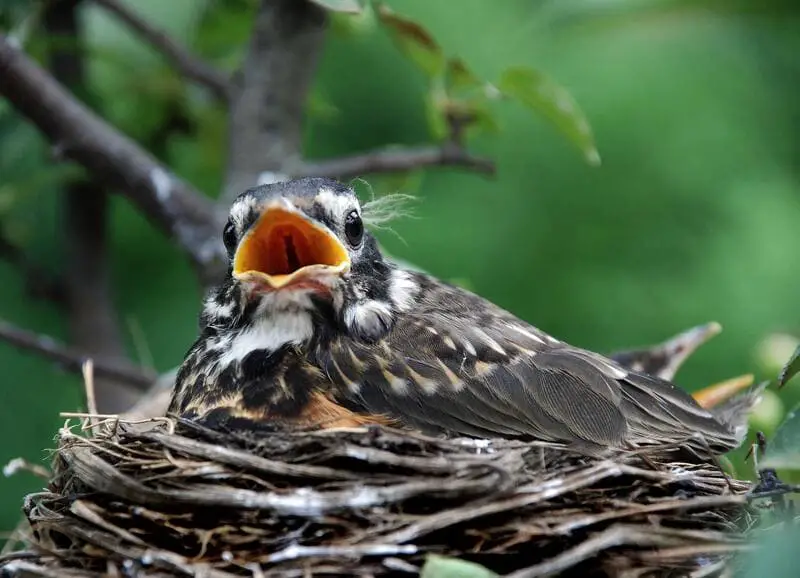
{"points": [[735, 413]]}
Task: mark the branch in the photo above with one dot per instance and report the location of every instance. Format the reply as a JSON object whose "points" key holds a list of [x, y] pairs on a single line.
{"points": [[72, 360], [38, 283], [171, 204], [91, 313], [395, 159], [265, 126], [189, 65]]}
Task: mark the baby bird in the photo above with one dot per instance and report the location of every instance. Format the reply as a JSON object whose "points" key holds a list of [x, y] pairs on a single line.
{"points": [[314, 328]]}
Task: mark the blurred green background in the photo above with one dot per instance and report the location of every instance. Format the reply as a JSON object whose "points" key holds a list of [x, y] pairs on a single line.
{"points": [[693, 215]]}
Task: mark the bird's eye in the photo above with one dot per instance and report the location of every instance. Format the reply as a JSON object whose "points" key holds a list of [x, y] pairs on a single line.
{"points": [[353, 228], [229, 236]]}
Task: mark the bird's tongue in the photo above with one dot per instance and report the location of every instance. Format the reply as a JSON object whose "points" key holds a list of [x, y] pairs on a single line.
{"points": [[284, 247]]}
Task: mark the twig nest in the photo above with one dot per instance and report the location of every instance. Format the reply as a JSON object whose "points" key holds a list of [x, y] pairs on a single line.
{"points": [[161, 502]]}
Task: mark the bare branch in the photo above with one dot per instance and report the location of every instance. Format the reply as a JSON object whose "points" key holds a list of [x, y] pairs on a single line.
{"points": [[267, 110], [395, 159], [189, 65], [171, 204], [38, 282], [91, 313], [72, 360]]}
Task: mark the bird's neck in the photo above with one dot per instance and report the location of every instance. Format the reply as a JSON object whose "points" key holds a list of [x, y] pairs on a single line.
{"points": [[267, 334]]}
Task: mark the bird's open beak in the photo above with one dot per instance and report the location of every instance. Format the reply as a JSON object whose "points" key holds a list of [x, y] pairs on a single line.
{"points": [[287, 248]]}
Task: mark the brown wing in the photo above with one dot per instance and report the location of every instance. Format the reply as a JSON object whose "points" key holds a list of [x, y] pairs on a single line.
{"points": [[458, 364]]}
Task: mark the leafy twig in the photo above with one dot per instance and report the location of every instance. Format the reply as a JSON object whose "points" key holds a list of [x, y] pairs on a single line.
{"points": [[188, 64]]}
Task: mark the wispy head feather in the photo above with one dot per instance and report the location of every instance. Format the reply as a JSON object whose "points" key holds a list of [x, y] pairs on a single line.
{"points": [[378, 212]]}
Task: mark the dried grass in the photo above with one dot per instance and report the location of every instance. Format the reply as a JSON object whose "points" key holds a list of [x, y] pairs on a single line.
{"points": [[134, 501]]}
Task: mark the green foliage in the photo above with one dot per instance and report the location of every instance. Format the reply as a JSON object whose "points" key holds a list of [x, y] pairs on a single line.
{"points": [[415, 42], [784, 448], [791, 369], [776, 554], [536, 91], [13, 14], [784, 452], [693, 215], [444, 567], [458, 93]]}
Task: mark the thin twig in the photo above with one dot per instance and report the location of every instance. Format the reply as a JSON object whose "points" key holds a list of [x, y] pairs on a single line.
{"points": [[395, 159], [295, 552], [242, 459], [188, 64], [88, 383], [102, 476], [23, 465], [72, 359], [610, 538]]}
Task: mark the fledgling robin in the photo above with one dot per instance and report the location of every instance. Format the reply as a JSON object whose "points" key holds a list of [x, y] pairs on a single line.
{"points": [[664, 359], [313, 327]]}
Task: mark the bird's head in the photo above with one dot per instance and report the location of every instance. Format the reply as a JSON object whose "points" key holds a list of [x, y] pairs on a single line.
{"points": [[294, 237], [302, 244]]}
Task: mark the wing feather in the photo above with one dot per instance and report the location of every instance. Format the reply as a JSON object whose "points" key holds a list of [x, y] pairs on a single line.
{"points": [[458, 364]]}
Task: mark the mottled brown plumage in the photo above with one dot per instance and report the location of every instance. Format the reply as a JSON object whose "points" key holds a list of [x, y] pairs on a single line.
{"points": [[313, 327]]}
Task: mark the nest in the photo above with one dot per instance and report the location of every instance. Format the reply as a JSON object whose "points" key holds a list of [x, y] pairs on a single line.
{"points": [[189, 501]]}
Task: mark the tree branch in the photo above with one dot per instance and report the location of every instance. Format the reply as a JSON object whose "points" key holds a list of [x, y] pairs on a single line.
{"points": [[395, 159], [171, 204], [189, 65], [91, 314], [38, 282], [72, 359], [265, 126]]}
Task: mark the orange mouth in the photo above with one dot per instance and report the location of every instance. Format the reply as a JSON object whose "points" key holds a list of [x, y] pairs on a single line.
{"points": [[285, 248]]}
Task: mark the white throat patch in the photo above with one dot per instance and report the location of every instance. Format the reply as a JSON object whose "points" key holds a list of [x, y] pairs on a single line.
{"points": [[270, 333]]}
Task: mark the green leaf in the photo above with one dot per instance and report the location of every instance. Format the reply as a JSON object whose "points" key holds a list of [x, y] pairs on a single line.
{"points": [[534, 90], [783, 452], [443, 567], [346, 25], [460, 77], [776, 554], [347, 6], [791, 368], [415, 42]]}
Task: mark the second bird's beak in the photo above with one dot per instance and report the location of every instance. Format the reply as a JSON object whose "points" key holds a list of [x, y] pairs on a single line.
{"points": [[284, 247]]}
